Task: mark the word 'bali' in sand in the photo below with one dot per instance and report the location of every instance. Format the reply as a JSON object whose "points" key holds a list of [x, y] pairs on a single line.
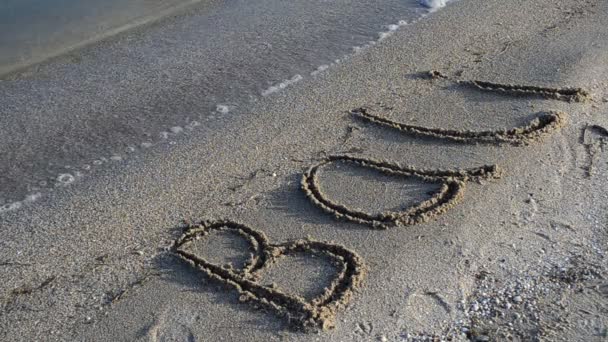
{"points": [[319, 313], [451, 191]]}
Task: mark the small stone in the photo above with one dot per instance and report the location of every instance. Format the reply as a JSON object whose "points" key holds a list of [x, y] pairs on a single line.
{"points": [[517, 299], [383, 338], [176, 130]]}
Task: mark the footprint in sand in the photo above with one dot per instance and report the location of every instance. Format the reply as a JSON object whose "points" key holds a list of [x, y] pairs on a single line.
{"points": [[173, 325], [594, 139], [312, 308], [426, 312]]}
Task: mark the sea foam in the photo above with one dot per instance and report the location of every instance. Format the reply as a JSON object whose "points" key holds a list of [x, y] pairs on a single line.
{"points": [[67, 178], [434, 5], [282, 85]]}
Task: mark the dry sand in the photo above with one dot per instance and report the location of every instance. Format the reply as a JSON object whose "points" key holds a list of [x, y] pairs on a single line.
{"points": [[521, 257]]}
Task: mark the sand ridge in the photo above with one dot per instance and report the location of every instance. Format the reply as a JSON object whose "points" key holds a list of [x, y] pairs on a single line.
{"points": [[319, 313]]}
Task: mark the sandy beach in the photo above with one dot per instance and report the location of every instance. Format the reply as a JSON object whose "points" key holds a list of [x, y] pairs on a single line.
{"points": [[512, 249]]}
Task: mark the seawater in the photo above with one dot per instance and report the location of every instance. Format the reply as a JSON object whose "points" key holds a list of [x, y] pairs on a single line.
{"points": [[154, 84]]}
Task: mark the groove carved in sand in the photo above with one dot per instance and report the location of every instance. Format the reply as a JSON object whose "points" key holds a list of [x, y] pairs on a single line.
{"points": [[543, 125], [319, 313], [451, 191], [568, 94]]}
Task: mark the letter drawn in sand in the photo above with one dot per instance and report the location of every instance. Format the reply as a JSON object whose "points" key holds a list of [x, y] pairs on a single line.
{"points": [[319, 313], [544, 124], [451, 191], [568, 94]]}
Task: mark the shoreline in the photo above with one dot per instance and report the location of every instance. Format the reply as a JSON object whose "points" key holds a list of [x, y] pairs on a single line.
{"points": [[133, 101], [15, 69]]}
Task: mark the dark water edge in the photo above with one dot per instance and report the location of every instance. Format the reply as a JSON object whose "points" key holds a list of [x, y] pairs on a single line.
{"points": [[33, 30], [156, 85]]}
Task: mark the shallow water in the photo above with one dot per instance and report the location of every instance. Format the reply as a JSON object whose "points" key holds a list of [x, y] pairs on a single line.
{"points": [[155, 85], [31, 30]]}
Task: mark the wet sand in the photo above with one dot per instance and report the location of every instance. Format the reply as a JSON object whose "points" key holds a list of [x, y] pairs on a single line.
{"points": [[520, 257], [63, 119]]}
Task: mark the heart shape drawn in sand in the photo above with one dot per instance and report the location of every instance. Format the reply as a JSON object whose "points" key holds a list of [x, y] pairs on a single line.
{"points": [[451, 191], [318, 313]]}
